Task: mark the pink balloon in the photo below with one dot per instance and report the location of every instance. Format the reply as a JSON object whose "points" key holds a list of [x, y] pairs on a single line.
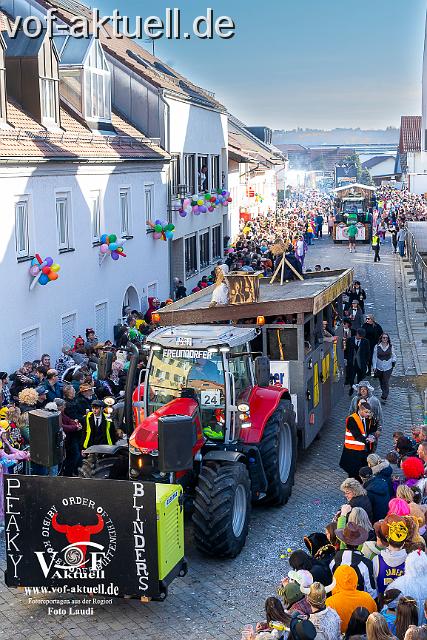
{"points": [[196, 209], [186, 202], [104, 248], [157, 236], [34, 270]]}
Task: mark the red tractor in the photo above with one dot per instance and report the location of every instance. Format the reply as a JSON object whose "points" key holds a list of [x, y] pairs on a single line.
{"points": [[208, 417]]}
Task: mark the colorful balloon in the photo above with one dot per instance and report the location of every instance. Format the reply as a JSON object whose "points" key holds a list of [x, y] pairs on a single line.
{"points": [[53, 276], [49, 261], [55, 267], [112, 237], [182, 213], [157, 235], [43, 279], [103, 238], [115, 255], [104, 248], [113, 246], [46, 270], [34, 270], [169, 235]]}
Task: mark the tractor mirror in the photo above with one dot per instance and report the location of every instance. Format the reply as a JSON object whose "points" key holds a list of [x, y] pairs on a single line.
{"points": [[262, 371]]}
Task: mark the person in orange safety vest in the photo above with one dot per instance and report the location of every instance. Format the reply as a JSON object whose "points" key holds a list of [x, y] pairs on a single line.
{"points": [[361, 432]]}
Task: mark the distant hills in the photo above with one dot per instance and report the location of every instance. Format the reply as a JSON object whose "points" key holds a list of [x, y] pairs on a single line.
{"points": [[337, 136]]}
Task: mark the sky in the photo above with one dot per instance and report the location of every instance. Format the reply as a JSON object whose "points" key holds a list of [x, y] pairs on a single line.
{"points": [[302, 63]]}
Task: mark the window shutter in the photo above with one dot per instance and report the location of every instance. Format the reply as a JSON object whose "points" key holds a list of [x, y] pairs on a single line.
{"points": [[30, 345], [101, 321], [68, 329]]}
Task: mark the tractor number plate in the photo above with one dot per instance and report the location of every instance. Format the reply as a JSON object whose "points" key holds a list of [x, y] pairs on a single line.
{"points": [[210, 398]]}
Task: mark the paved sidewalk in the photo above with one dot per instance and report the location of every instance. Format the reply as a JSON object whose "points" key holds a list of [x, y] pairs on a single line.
{"points": [[216, 598]]}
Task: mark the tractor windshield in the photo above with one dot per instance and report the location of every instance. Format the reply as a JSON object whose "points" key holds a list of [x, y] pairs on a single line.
{"points": [[173, 370]]}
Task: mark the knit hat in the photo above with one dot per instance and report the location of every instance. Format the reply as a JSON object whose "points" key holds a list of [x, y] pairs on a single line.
{"points": [[317, 595], [41, 390], [352, 534], [365, 473], [291, 594], [366, 384], [51, 406], [398, 507], [302, 629], [303, 578]]}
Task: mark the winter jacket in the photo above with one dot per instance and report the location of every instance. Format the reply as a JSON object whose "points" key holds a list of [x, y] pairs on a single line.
{"points": [[384, 470], [414, 582], [362, 567], [378, 494], [346, 598], [374, 403], [364, 503], [373, 332], [53, 391], [327, 623]]}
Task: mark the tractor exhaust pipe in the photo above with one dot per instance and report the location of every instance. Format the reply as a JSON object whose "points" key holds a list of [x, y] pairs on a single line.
{"points": [[133, 366]]}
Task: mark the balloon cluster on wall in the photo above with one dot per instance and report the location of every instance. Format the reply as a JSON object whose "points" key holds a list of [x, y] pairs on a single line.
{"points": [[204, 202], [259, 198], [111, 245], [161, 230], [43, 271]]}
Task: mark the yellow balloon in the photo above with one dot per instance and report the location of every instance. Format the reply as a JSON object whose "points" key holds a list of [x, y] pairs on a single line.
{"points": [[55, 267], [200, 202]]}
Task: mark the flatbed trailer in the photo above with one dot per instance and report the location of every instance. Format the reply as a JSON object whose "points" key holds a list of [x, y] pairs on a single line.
{"points": [[290, 320]]}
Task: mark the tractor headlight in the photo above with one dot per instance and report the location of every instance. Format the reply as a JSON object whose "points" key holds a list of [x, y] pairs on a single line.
{"points": [[243, 408]]}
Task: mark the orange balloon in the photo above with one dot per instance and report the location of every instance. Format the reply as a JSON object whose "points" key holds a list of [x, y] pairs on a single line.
{"points": [[52, 275]]}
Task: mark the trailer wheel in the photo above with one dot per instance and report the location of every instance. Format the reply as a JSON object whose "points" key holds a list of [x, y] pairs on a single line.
{"points": [[222, 508], [278, 449]]}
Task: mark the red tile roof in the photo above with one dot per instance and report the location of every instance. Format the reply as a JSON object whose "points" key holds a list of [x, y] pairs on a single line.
{"points": [[29, 140], [410, 134], [119, 48]]}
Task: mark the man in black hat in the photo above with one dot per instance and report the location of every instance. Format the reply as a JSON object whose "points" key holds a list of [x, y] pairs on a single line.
{"points": [[98, 428]]}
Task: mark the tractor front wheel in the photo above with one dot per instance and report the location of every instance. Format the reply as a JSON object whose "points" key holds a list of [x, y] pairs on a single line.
{"points": [[278, 449], [222, 509]]}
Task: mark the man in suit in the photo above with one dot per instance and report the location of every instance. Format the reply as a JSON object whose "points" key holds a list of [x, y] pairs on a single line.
{"points": [[98, 428], [357, 355]]}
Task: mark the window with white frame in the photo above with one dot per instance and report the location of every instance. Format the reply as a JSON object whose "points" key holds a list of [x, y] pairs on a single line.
{"points": [[95, 213], [22, 228], [48, 98], [149, 202], [204, 248], [98, 85], [215, 176], [216, 242], [190, 256], [30, 345], [68, 328], [203, 173], [175, 173], [189, 172], [63, 220], [125, 225], [101, 321]]}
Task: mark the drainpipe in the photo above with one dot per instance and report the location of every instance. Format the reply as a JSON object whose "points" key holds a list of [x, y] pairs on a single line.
{"points": [[169, 194]]}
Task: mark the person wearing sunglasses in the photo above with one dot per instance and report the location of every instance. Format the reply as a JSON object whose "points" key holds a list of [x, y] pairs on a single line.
{"points": [[383, 363]]}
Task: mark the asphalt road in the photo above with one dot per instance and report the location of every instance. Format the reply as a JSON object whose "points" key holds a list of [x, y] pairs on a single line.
{"points": [[217, 598]]}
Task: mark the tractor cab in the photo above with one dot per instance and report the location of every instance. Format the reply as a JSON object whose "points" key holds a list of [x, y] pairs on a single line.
{"points": [[213, 365]]}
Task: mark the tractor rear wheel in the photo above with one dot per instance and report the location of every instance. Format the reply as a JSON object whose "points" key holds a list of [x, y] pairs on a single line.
{"points": [[109, 468], [278, 449], [222, 508]]}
